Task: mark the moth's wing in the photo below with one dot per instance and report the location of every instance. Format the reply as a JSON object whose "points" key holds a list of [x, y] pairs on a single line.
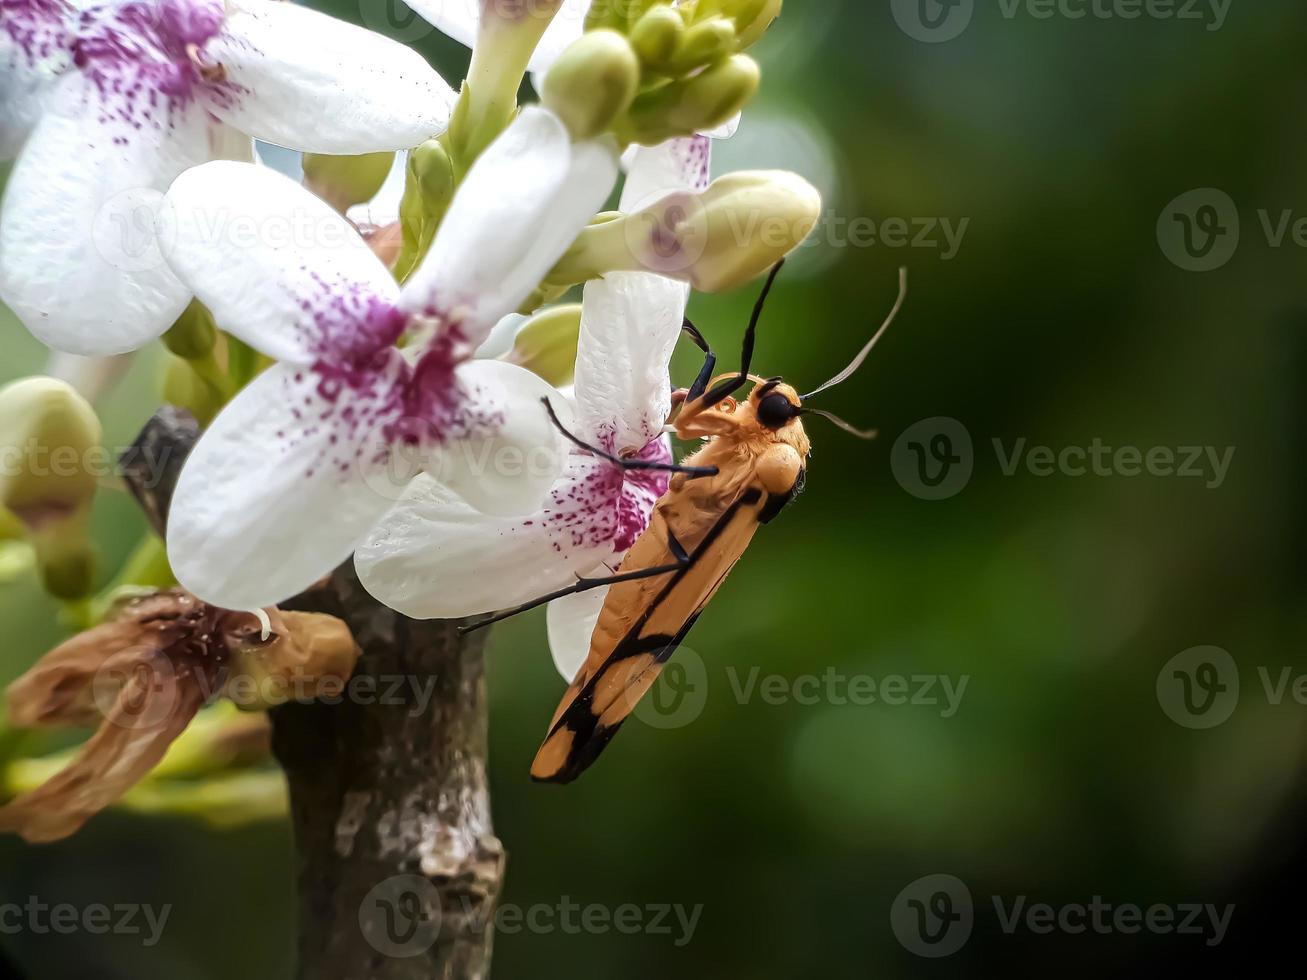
{"points": [[644, 621]]}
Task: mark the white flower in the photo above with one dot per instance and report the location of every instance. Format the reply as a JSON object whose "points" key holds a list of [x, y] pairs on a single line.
{"points": [[299, 466], [434, 556], [110, 101]]}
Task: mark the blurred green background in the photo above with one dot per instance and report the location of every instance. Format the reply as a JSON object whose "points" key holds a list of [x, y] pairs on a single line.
{"points": [[1059, 320]]}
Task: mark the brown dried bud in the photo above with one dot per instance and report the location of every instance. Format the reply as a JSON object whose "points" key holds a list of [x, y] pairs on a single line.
{"points": [[142, 677]]}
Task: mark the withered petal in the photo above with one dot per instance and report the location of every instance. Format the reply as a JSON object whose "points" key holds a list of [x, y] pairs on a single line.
{"points": [[152, 710]]}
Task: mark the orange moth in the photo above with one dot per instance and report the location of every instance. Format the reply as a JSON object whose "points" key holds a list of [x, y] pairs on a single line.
{"points": [[752, 463]]}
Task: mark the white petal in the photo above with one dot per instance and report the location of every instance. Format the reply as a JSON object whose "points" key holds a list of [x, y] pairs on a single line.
{"points": [[567, 26], [726, 130], [228, 143], [301, 79], [434, 556], [460, 19], [656, 171], [630, 322], [269, 502], [510, 468], [277, 266], [571, 624], [79, 261], [522, 204], [501, 337], [33, 54]]}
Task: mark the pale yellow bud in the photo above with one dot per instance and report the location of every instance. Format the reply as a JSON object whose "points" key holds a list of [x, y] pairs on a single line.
{"points": [[47, 434], [730, 234], [657, 35], [692, 105], [546, 344], [592, 83], [343, 181]]}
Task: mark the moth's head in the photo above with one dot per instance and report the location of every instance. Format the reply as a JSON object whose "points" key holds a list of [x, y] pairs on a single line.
{"points": [[772, 411], [775, 404]]}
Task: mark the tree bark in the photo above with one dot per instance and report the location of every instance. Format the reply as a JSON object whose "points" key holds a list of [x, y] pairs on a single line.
{"points": [[399, 870]]}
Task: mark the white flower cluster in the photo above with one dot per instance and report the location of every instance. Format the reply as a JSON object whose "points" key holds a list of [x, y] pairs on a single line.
{"points": [[381, 420]]}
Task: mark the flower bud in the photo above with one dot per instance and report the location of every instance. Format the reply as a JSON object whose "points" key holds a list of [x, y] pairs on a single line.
{"points": [[752, 18], [703, 44], [592, 83], [694, 104], [343, 181], [730, 234], [657, 35], [546, 344], [47, 434], [193, 335], [186, 389], [431, 173], [308, 655]]}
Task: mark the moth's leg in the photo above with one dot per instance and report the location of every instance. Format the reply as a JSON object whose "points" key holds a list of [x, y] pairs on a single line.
{"points": [[683, 560], [628, 464], [709, 365]]}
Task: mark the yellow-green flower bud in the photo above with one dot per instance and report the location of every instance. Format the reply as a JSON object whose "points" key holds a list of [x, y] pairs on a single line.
{"points": [[186, 389], [733, 232], [47, 434], [432, 174], [194, 334], [592, 83], [50, 454], [657, 35], [695, 104], [752, 18], [703, 44], [343, 181], [546, 344]]}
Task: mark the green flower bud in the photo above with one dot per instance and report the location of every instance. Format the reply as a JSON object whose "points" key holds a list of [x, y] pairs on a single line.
{"points": [[431, 172], [194, 334], [592, 83], [703, 44], [186, 389], [657, 35], [691, 105], [343, 181], [49, 435], [733, 232], [546, 344], [752, 18]]}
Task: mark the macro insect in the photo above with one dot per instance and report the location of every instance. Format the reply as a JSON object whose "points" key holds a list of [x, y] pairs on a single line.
{"points": [[752, 464]]}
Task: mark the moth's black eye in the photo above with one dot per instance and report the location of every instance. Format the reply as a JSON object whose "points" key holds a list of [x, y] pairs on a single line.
{"points": [[775, 411]]}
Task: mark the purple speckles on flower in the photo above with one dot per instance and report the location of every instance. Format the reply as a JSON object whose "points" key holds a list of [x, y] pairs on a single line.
{"points": [[146, 60], [694, 155], [601, 506], [37, 29]]}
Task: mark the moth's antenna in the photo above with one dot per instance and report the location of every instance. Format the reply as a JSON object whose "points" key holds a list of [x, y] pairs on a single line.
{"points": [[862, 354], [846, 426]]}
